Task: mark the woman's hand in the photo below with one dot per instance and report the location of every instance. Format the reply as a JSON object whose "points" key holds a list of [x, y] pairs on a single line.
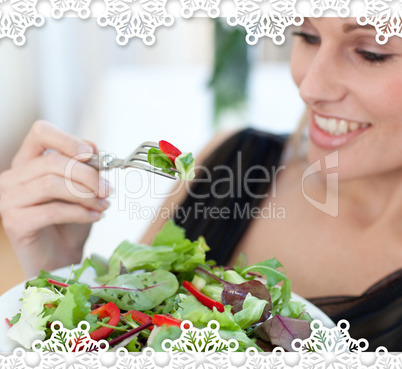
{"points": [[47, 220]]}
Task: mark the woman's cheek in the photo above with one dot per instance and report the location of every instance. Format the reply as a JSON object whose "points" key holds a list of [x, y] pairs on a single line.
{"points": [[383, 98]]}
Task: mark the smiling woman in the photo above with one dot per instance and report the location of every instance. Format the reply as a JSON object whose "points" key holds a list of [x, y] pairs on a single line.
{"points": [[349, 265], [350, 84], [347, 259]]}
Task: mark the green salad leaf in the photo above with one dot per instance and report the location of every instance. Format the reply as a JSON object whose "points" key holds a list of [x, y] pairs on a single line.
{"points": [[160, 334], [31, 323], [251, 312], [41, 280], [268, 269], [200, 316], [170, 235], [171, 251], [139, 291], [97, 262], [74, 306], [185, 166], [159, 160]]}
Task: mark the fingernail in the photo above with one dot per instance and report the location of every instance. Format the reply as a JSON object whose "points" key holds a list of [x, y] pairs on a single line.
{"points": [[85, 149], [95, 215], [105, 189], [103, 203]]}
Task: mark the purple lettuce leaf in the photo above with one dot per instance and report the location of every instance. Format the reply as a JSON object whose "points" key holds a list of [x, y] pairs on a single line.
{"points": [[234, 294], [281, 331]]}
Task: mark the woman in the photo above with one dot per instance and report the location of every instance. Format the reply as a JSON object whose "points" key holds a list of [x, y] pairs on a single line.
{"points": [[351, 87]]}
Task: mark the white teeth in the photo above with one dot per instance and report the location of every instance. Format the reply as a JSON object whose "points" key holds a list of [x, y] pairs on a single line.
{"points": [[320, 121], [353, 126], [343, 127], [338, 127], [332, 126]]}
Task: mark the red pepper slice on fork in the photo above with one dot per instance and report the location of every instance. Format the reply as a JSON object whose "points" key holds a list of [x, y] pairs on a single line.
{"points": [[172, 152], [108, 310], [204, 299]]}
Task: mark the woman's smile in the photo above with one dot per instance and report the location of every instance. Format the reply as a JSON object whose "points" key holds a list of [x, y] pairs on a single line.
{"points": [[331, 133]]}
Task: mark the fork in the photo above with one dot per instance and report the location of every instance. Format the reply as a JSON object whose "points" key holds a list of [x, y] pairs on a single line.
{"points": [[138, 159]]}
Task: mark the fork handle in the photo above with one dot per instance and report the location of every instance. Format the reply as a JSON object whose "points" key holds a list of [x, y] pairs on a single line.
{"points": [[104, 162], [97, 162]]}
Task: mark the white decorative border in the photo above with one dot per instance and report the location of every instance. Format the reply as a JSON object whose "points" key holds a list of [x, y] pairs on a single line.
{"points": [[141, 18], [202, 349]]}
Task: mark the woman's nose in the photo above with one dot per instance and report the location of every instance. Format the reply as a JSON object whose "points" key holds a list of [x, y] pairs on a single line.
{"points": [[323, 80]]}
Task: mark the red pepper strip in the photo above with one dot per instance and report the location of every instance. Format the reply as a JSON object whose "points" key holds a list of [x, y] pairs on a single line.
{"points": [[161, 319], [108, 310], [8, 322], [204, 299], [56, 283], [169, 150], [139, 317]]}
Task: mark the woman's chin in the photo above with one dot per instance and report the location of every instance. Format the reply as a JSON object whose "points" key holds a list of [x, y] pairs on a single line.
{"points": [[318, 154]]}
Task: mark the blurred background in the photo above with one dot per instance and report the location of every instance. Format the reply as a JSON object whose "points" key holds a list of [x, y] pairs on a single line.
{"points": [[200, 77]]}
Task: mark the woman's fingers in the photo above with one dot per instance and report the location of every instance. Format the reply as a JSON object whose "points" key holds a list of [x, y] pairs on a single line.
{"points": [[92, 144], [60, 165], [52, 187], [20, 223], [43, 136]]}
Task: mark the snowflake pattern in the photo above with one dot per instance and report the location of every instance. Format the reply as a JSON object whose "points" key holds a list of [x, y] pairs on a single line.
{"points": [[14, 361], [329, 347], [385, 16], [143, 361], [265, 18], [70, 340], [384, 360], [319, 6], [185, 351], [274, 361], [190, 6], [16, 16], [81, 7], [133, 18]]}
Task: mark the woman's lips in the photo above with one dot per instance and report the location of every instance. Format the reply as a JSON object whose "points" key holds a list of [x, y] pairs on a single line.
{"points": [[335, 132]]}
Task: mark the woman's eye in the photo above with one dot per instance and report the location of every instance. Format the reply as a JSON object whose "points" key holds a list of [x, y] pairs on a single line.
{"points": [[373, 57], [308, 38]]}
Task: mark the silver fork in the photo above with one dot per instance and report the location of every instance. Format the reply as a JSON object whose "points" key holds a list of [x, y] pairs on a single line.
{"points": [[138, 160]]}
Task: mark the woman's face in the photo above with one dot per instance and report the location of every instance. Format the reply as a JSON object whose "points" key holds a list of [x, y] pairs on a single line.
{"points": [[352, 87]]}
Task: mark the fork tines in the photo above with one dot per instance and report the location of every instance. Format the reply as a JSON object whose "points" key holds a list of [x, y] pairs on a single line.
{"points": [[139, 159]]}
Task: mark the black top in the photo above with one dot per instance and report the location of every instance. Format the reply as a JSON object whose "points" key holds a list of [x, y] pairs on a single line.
{"points": [[219, 207]]}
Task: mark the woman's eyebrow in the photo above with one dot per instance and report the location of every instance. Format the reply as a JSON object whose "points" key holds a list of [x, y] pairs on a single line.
{"points": [[349, 27]]}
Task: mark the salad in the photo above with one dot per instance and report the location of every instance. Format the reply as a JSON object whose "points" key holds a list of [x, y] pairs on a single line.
{"points": [[170, 159], [145, 292]]}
